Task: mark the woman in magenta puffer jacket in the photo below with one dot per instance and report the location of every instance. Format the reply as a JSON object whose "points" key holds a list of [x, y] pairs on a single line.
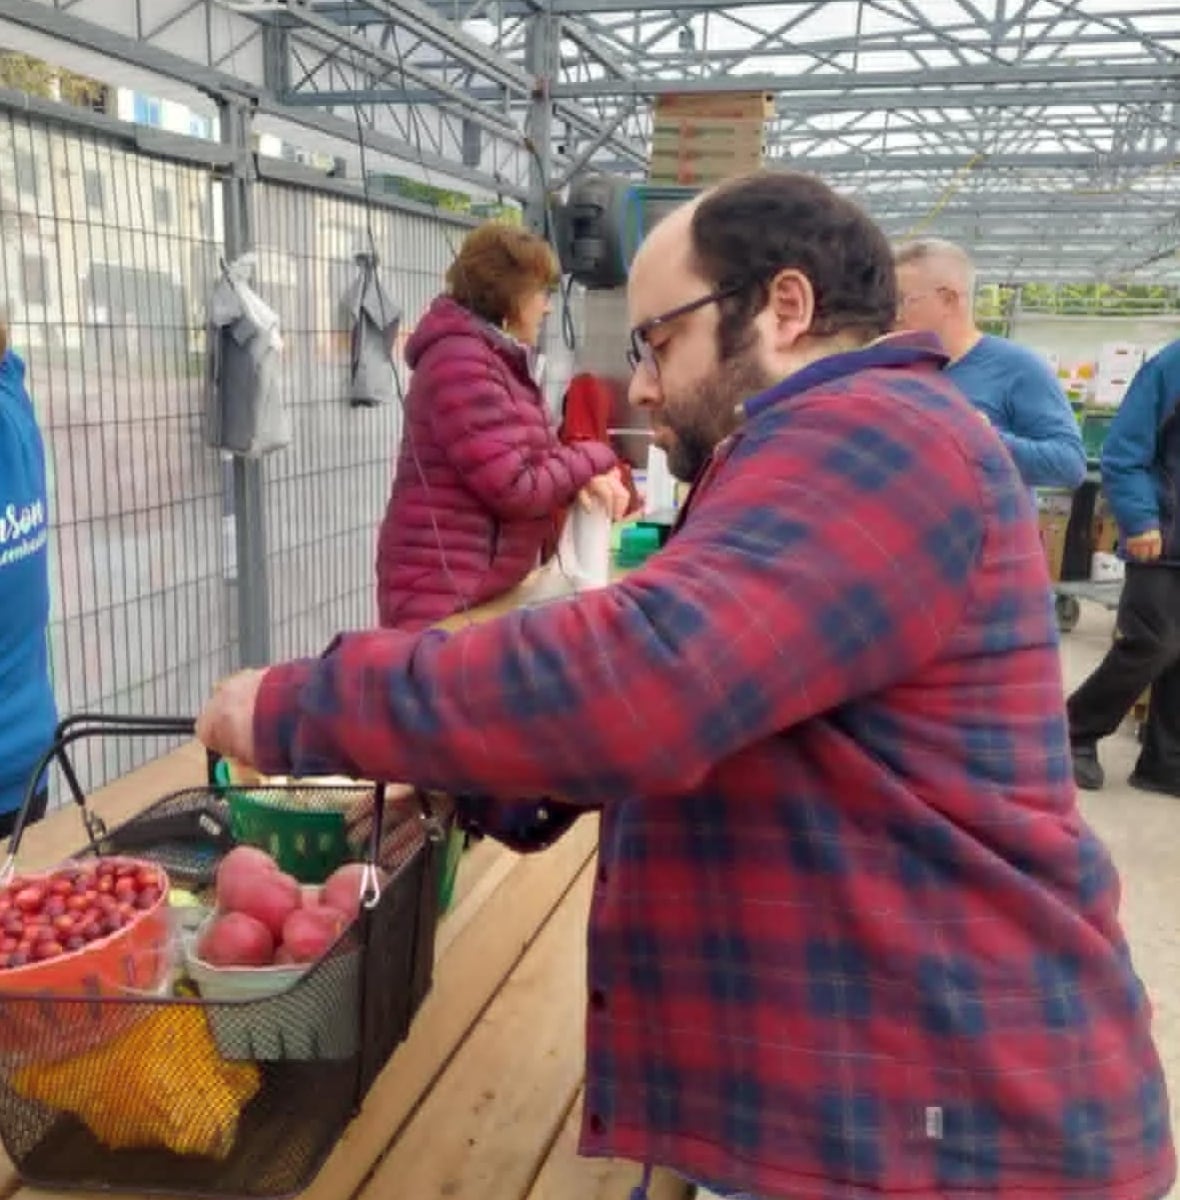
{"points": [[481, 474]]}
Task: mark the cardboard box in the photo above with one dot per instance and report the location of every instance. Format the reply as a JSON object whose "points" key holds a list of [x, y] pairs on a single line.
{"points": [[703, 166], [1119, 360], [711, 135], [718, 106], [1106, 534], [706, 126], [709, 150], [1104, 531], [1053, 530], [689, 176], [1054, 503], [1109, 394]]}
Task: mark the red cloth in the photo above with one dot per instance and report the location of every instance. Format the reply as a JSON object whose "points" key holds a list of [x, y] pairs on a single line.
{"points": [[481, 475], [851, 937], [589, 406]]}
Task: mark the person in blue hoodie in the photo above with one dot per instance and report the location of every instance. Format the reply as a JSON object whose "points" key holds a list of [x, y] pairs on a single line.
{"points": [[1009, 384], [1141, 477], [28, 714]]}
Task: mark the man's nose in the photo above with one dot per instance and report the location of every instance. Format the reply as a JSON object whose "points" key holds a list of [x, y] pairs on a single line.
{"points": [[644, 389]]}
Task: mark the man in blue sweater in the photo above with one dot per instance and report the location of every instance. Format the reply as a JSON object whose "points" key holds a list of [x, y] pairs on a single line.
{"points": [[1012, 386], [27, 711], [1141, 476]]}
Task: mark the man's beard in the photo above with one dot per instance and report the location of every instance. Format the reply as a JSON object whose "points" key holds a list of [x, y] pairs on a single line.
{"points": [[707, 414]]}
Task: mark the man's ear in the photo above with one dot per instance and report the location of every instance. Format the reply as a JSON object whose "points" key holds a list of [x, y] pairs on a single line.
{"points": [[791, 308]]}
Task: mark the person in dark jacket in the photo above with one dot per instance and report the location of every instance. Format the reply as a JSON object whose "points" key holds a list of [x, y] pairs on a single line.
{"points": [[850, 935], [1141, 477], [481, 475], [1009, 384], [27, 710]]}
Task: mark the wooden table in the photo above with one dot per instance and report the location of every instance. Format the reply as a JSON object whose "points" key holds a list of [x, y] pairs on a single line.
{"points": [[482, 1101]]}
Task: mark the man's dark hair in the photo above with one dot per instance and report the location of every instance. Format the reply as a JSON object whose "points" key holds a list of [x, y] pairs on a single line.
{"points": [[753, 227]]}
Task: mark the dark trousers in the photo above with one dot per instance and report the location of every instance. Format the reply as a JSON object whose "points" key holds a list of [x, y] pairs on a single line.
{"points": [[1146, 652], [36, 812]]}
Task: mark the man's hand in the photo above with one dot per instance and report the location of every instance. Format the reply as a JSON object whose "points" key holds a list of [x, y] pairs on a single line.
{"points": [[226, 724], [1145, 547], [609, 491]]}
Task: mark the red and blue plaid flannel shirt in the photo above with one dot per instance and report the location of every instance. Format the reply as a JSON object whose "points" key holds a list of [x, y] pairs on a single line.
{"points": [[850, 935]]}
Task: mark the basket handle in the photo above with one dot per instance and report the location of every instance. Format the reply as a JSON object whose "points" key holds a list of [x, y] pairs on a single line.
{"points": [[370, 882], [436, 831], [78, 728]]}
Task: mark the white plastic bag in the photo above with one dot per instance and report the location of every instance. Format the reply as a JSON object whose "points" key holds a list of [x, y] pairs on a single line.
{"points": [[580, 564], [245, 413]]}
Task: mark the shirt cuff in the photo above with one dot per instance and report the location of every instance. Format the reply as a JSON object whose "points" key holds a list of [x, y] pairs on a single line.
{"points": [[277, 711]]}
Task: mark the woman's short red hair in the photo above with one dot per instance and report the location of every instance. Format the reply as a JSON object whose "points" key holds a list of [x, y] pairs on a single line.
{"points": [[497, 267]]}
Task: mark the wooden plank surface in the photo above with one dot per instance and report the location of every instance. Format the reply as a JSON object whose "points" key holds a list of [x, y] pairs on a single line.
{"points": [[486, 1127], [470, 972], [565, 1176]]}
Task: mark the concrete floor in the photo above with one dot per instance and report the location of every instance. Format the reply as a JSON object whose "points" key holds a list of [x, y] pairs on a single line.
{"points": [[1143, 834]]}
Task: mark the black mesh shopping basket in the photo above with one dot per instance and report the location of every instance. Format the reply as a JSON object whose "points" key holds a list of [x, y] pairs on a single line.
{"points": [[167, 1093]]}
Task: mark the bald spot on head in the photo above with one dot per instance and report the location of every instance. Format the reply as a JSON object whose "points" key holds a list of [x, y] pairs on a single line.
{"points": [[943, 263], [662, 266]]}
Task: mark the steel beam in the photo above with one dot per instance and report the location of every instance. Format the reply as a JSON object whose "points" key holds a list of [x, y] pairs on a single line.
{"points": [[249, 507], [788, 104], [483, 104], [523, 8], [1150, 246], [222, 86], [870, 45], [543, 62], [857, 99], [355, 15], [926, 164], [424, 23], [890, 85], [440, 90]]}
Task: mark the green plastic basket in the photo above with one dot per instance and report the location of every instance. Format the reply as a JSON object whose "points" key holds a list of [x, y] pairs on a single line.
{"points": [[311, 843], [456, 841], [1095, 427], [637, 544], [308, 843]]}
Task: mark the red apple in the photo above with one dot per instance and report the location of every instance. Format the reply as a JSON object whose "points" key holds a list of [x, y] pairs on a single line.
{"points": [[270, 898], [245, 861], [308, 932], [236, 940]]}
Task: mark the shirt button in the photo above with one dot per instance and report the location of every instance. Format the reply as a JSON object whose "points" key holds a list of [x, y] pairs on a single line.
{"points": [[598, 1000], [597, 1124]]}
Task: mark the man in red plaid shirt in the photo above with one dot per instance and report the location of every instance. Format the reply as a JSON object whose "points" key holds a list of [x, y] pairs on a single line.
{"points": [[850, 936]]}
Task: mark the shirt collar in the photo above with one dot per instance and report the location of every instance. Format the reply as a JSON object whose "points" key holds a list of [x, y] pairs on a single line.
{"points": [[892, 350]]}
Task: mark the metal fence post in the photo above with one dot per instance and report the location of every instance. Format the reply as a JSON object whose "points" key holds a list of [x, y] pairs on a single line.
{"points": [[249, 516], [543, 58]]}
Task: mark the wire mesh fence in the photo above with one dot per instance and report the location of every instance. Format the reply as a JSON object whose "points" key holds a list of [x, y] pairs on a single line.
{"points": [[325, 495], [109, 256]]}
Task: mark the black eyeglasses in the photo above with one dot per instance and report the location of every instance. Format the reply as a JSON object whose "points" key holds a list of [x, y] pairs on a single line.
{"points": [[640, 351]]}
